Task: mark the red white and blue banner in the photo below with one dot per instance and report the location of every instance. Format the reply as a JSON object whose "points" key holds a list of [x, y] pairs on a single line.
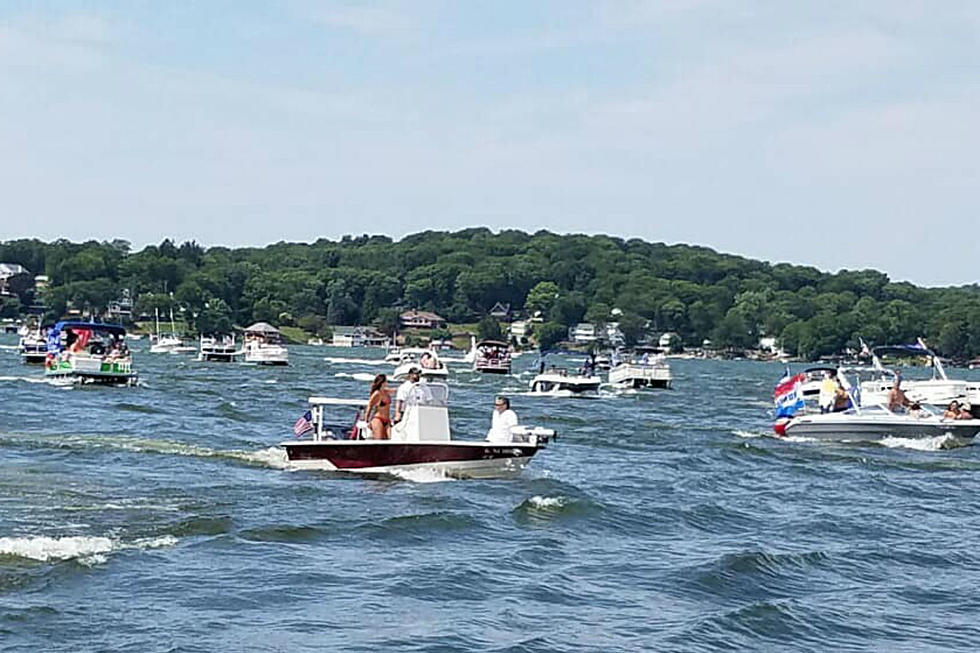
{"points": [[788, 395]]}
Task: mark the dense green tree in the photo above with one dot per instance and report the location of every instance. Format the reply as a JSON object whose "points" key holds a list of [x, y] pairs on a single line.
{"points": [[549, 334], [489, 329]]}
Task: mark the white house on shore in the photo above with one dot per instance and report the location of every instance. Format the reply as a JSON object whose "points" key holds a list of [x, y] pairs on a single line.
{"points": [[582, 333], [421, 320], [358, 336]]}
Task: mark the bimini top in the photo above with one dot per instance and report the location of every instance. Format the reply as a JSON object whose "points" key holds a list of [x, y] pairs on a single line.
{"points": [[491, 343], [262, 327], [90, 326]]}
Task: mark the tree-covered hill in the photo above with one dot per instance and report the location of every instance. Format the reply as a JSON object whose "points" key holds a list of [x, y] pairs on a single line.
{"points": [[694, 291]]}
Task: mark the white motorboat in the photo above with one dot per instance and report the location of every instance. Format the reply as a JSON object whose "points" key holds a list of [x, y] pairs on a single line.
{"points": [[425, 359], [558, 383], [218, 348], [264, 346], [421, 441], [492, 357], [168, 343], [937, 391], [870, 423], [89, 352], [33, 344], [645, 373]]}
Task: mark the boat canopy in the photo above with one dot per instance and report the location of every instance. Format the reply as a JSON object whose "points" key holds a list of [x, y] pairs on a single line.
{"points": [[263, 328], [116, 329], [492, 343]]}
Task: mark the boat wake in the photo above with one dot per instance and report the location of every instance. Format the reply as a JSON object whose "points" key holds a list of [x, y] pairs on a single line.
{"points": [[357, 376], [422, 475], [87, 550], [937, 443], [356, 361]]}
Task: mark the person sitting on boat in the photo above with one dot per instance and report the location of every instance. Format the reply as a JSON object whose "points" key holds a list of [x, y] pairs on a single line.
{"points": [[842, 401], [427, 361], [897, 401], [503, 420], [379, 403], [956, 411], [405, 391], [828, 393]]}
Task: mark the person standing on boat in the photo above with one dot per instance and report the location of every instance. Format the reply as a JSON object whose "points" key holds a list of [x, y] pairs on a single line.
{"points": [[502, 422], [379, 402], [405, 391]]}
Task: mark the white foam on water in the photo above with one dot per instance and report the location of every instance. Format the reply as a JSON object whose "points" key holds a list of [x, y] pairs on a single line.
{"points": [[271, 381], [88, 550], [422, 475], [752, 434], [25, 379], [357, 376], [935, 443], [547, 503], [356, 361], [274, 457]]}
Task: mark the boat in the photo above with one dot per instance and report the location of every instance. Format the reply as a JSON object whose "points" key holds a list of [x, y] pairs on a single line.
{"points": [[425, 359], [558, 383], [937, 391], [33, 345], [492, 357], [218, 348], [860, 420], [647, 373], [89, 352], [168, 343], [263, 345], [421, 441], [869, 423]]}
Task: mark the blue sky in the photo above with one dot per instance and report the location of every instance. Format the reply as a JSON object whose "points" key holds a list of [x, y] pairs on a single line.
{"points": [[836, 134]]}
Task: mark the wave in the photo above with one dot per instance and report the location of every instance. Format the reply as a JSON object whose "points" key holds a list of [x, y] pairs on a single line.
{"points": [[356, 361], [422, 475], [936, 443], [541, 508], [138, 408], [88, 550], [274, 457], [357, 376]]}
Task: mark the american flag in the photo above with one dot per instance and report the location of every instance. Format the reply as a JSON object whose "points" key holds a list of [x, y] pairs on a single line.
{"points": [[304, 424]]}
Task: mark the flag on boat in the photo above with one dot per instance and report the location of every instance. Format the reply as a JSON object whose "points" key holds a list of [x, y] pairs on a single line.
{"points": [[304, 424], [788, 396]]}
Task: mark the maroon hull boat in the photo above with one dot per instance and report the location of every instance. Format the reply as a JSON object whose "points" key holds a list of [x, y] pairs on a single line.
{"points": [[420, 441]]}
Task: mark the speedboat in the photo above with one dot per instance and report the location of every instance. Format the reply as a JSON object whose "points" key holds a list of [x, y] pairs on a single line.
{"points": [[420, 441], [221, 349], [33, 345], [89, 352], [857, 419], [424, 359], [263, 345], [937, 391], [647, 373], [492, 357], [558, 383], [869, 423]]}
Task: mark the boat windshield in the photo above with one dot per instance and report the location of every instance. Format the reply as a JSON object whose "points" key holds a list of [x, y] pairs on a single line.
{"points": [[435, 395]]}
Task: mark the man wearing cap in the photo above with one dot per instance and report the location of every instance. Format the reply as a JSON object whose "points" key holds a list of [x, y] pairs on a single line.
{"points": [[405, 391]]}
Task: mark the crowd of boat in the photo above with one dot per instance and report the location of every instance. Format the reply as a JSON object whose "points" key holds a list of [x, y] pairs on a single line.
{"points": [[842, 403]]}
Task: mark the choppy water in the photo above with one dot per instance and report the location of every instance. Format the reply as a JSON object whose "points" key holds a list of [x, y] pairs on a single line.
{"points": [[159, 518]]}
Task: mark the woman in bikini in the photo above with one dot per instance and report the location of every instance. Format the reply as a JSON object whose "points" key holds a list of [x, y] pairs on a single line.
{"points": [[378, 411]]}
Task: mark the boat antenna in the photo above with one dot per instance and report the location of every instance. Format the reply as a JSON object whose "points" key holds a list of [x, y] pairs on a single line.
{"points": [[936, 363]]}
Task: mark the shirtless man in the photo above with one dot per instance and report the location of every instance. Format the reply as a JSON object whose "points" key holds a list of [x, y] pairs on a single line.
{"points": [[897, 401]]}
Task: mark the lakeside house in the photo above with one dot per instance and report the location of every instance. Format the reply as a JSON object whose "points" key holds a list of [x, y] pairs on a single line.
{"points": [[501, 312], [582, 333], [7, 272], [421, 320], [358, 336]]}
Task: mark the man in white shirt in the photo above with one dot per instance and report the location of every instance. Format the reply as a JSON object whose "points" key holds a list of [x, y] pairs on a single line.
{"points": [[504, 419], [405, 391]]}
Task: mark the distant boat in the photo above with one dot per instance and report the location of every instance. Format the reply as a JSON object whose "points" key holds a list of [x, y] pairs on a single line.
{"points": [[263, 345], [89, 352]]}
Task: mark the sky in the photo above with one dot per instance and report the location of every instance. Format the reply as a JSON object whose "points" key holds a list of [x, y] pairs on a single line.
{"points": [[832, 133]]}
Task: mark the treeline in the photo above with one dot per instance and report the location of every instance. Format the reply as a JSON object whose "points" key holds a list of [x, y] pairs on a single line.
{"points": [[694, 291]]}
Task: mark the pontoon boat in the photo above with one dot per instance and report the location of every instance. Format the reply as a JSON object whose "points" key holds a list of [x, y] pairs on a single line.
{"points": [[89, 352]]}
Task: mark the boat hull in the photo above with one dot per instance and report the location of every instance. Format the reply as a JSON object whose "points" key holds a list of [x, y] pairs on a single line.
{"points": [[378, 457], [871, 431]]}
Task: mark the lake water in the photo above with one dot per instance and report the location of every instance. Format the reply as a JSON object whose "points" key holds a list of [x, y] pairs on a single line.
{"points": [[160, 518]]}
